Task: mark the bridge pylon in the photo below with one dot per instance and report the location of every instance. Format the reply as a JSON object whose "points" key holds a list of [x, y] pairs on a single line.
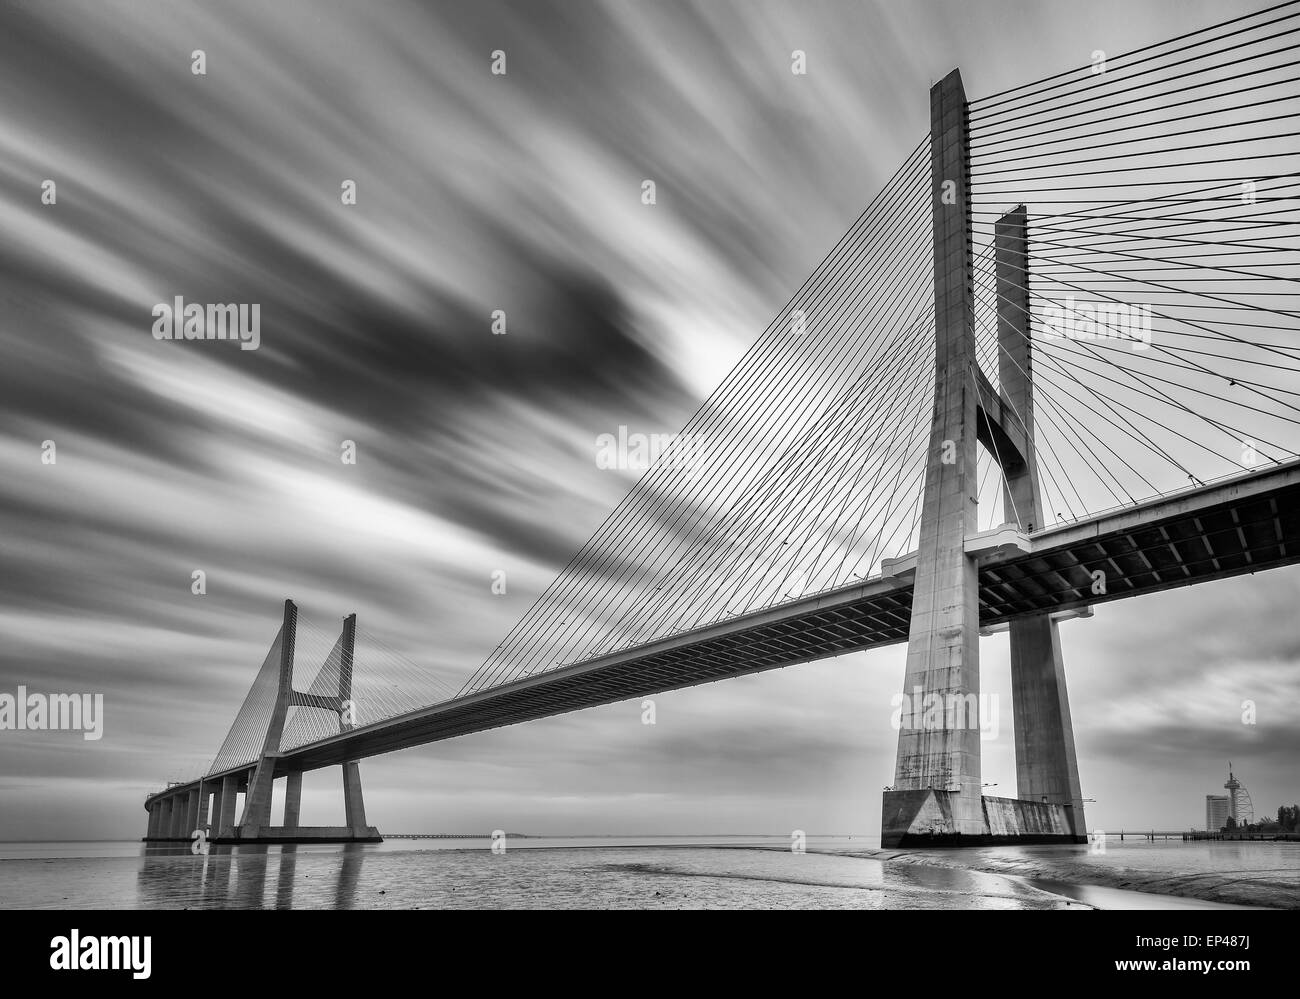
{"points": [[177, 812], [256, 822], [936, 798]]}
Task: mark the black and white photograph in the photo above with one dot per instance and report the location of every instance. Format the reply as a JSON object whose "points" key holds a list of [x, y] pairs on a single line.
{"points": [[650, 455]]}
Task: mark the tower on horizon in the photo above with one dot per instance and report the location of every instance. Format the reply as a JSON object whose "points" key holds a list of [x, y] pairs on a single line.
{"points": [[1232, 786]]}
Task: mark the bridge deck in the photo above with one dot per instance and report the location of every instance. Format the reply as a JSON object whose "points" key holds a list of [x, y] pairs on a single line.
{"points": [[1242, 525]]}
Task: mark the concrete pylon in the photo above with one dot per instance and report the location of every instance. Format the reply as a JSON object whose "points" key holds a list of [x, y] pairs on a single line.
{"points": [[201, 818], [354, 806], [257, 783], [226, 814], [292, 799], [180, 808], [937, 775], [1047, 768], [257, 803], [191, 812], [936, 798]]}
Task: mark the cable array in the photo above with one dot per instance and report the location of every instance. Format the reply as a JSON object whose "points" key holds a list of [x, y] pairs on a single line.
{"points": [[243, 743], [798, 474], [1163, 305], [384, 684], [1164, 277]]}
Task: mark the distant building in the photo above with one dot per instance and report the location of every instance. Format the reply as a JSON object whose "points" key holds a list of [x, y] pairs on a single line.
{"points": [[1216, 812], [1233, 787]]}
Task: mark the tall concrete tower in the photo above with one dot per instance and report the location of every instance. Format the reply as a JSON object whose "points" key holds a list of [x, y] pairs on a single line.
{"points": [[1232, 787]]}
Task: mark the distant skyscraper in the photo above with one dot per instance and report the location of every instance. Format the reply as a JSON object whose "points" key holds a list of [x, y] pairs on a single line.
{"points": [[1216, 811]]}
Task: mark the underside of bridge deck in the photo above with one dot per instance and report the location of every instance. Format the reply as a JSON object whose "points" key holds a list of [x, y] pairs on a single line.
{"points": [[1210, 533]]}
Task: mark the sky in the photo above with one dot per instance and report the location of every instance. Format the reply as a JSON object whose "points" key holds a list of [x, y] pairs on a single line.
{"points": [[476, 452]]}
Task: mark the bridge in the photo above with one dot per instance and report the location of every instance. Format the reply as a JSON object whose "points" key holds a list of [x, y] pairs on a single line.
{"points": [[1052, 365]]}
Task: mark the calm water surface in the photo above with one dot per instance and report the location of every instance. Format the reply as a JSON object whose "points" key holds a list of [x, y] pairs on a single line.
{"points": [[648, 872]]}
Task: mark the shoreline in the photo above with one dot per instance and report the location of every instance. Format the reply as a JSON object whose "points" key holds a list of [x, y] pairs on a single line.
{"points": [[1065, 875]]}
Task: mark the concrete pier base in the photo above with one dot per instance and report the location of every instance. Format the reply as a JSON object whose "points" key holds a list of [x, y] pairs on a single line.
{"points": [[354, 806], [929, 818], [180, 805], [292, 799], [304, 834], [171, 817]]}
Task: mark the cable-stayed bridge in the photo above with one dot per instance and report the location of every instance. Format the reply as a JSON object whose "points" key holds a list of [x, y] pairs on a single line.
{"points": [[1054, 363]]}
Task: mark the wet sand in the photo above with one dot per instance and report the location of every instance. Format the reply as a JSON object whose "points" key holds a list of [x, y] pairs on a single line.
{"points": [[1162, 875]]}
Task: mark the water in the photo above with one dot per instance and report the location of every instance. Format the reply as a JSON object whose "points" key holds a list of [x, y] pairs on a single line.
{"points": [[646, 872]]}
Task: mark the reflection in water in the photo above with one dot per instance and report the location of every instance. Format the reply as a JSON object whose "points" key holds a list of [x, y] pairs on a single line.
{"points": [[358, 876], [605, 874], [349, 875], [250, 875], [288, 867], [237, 876]]}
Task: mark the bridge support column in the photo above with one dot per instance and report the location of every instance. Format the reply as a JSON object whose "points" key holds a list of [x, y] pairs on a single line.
{"points": [[151, 828], [937, 777], [214, 821], [257, 803], [226, 816], [255, 823], [180, 805], [292, 799], [201, 819], [1047, 769], [191, 812], [354, 808]]}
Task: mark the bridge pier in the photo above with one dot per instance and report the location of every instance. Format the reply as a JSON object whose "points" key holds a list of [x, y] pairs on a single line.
{"points": [[937, 775], [191, 813], [354, 807], [257, 802], [201, 820], [214, 821], [230, 788], [176, 812], [255, 823], [292, 799], [936, 799], [1047, 769]]}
